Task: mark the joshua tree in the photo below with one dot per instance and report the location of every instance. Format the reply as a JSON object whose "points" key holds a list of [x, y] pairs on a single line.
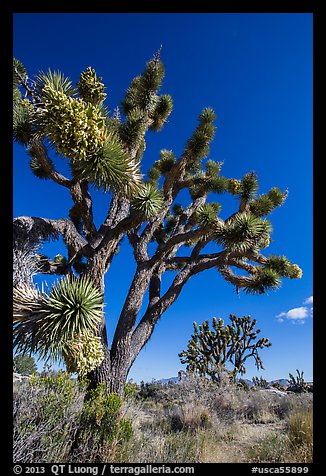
{"points": [[260, 382], [298, 383], [105, 150], [210, 350]]}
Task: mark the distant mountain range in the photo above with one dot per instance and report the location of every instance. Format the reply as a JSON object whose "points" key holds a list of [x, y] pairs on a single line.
{"points": [[281, 381]]}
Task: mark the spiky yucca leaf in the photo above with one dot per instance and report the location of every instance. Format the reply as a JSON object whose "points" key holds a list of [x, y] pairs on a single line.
{"points": [[162, 166], [133, 129], [241, 232], [162, 111], [280, 264], [111, 168], [148, 201], [266, 203], [249, 186], [44, 323], [167, 160], [216, 184], [261, 206], [19, 71], [53, 81], [198, 145], [213, 168], [22, 122], [37, 168], [264, 280], [16, 95], [142, 90], [277, 196], [206, 214], [207, 115]]}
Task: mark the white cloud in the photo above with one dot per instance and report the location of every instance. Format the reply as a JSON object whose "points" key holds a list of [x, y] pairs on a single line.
{"points": [[295, 313], [298, 315]]}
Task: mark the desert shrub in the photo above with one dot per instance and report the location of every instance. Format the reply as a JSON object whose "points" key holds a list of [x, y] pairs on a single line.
{"points": [[54, 423], [102, 427], [24, 364], [189, 417], [130, 390], [148, 390], [46, 417]]}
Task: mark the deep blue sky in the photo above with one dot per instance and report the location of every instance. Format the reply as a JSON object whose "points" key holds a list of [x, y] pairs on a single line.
{"points": [[255, 70]]}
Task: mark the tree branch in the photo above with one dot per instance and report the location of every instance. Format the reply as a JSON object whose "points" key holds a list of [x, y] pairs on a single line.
{"points": [[35, 230], [36, 148]]}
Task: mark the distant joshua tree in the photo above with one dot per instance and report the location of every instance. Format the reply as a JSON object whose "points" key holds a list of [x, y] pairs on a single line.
{"points": [[104, 150], [210, 350], [260, 382]]}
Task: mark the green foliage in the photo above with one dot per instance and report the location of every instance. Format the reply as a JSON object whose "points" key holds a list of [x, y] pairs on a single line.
{"points": [[264, 280], [36, 167], [46, 415], [50, 82], [130, 390], [243, 232], [101, 416], [110, 167], [133, 129], [19, 72], [148, 201], [24, 364], [211, 349], [162, 166], [148, 390], [266, 203], [197, 146], [142, 92], [284, 267], [54, 422], [206, 214], [162, 111], [23, 128], [249, 186], [47, 322]]}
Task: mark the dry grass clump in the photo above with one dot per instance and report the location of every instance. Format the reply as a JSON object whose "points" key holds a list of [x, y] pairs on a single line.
{"points": [[293, 445], [300, 426]]}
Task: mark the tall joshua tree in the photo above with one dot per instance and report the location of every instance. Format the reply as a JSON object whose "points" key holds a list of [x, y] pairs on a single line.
{"points": [[105, 150]]}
